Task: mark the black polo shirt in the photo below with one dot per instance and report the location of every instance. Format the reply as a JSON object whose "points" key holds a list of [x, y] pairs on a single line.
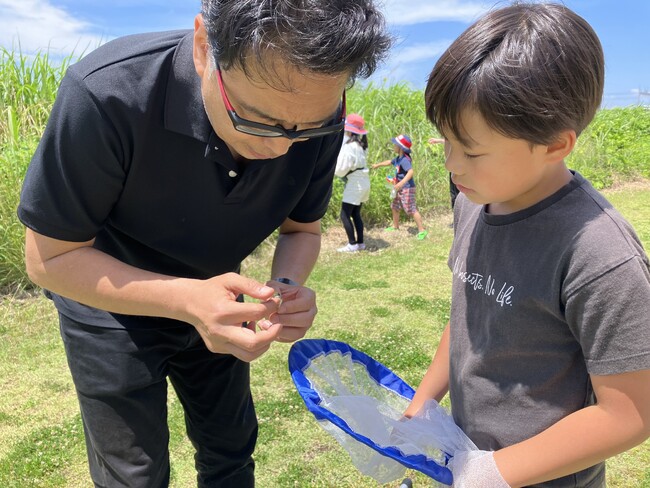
{"points": [[129, 157]]}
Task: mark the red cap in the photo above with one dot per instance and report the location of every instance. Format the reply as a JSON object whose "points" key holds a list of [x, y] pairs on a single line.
{"points": [[403, 141], [354, 123]]}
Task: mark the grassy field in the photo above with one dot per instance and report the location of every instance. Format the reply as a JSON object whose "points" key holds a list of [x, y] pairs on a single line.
{"points": [[615, 147], [390, 302]]}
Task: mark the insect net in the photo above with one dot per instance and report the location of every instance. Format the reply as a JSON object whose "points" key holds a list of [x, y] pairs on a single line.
{"points": [[360, 403]]}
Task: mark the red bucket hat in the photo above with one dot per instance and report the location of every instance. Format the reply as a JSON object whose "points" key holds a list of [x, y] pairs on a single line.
{"points": [[354, 123], [404, 142]]}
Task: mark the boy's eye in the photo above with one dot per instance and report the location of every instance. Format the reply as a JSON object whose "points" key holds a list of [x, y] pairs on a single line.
{"points": [[471, 156]]}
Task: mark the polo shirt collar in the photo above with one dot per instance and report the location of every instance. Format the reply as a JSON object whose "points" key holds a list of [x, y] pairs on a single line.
{"points": [[184, 111]]}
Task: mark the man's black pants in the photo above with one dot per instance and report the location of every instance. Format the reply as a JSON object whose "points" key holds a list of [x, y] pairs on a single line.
{"points": [[121, 381]]}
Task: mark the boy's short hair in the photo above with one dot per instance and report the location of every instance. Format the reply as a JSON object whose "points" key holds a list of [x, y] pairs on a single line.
{"points": [[530, 71]]}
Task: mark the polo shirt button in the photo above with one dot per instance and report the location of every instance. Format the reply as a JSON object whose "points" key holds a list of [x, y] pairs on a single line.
{"points": [[232, 174]]}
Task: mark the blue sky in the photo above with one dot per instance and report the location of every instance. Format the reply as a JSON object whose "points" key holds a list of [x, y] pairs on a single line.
{"points": [[424, 28]]}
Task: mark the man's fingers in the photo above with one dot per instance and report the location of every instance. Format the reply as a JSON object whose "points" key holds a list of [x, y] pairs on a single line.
{"points": [[295, 319], [265, 324], [242, 342], [240, 312], [243, 355], [247, 286], [250, 340], [292, 334]]}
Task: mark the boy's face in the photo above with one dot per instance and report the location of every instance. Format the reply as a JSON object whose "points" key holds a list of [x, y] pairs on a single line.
{"points": [[506, 174]]}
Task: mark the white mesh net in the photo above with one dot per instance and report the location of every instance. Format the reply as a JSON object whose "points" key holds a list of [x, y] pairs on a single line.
{"points": [[374, 411]]}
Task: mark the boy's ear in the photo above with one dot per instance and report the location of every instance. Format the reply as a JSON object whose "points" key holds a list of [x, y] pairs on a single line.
{"points": [[200, 51], [559, 149]]}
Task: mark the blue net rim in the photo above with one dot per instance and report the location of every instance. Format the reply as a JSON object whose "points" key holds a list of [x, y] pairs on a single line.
{"points": [[300, 356]]}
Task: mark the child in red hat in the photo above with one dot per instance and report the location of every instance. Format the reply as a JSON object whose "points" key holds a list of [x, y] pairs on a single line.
{"points": [[351, 166], [404, 184]]}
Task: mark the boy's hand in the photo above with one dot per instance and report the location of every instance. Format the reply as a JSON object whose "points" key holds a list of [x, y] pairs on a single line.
{"points": [[476, 469]]}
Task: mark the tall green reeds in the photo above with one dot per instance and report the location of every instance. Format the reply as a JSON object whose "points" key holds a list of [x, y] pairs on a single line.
{"points": [[389, 111], [616, 147], [28, 86]]}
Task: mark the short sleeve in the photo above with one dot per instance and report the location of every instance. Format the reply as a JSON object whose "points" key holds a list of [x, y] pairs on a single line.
{"points": [[76, 174], [405, 163], [609, 318]]}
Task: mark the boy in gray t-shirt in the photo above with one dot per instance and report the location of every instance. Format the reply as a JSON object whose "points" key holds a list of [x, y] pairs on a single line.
{"points": [[547, 353]]}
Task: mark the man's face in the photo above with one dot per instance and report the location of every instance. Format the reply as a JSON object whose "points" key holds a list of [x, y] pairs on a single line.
{"points": [[312, 101]]}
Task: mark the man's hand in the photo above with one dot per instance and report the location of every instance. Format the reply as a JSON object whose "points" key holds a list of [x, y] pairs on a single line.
{"points": [[296, 312], [476, 469], [218, 316]]}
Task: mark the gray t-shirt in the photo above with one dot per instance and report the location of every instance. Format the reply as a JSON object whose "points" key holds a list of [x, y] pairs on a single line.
{"points": [[541, 299]]}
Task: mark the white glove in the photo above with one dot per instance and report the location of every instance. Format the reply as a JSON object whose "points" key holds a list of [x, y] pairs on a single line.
{"points": [[476, 469]]}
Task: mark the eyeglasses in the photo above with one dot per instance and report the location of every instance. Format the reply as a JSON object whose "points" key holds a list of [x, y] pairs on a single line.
{"points": [[265, 130]]}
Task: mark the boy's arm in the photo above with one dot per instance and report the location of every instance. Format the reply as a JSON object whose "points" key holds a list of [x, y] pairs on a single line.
{"points": [[435, 382], [383, 163], [619, 421], [407, 177]]}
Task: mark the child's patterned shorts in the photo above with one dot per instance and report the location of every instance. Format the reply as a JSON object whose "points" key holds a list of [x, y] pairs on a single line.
{"points": [[405, 199]]}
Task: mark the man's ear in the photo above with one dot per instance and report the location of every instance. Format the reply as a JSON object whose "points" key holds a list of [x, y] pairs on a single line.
{"points": [[201, 49], [559, 149]]}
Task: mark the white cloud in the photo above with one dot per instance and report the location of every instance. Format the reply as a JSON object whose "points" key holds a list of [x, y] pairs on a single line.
{"points": [[403, 58], [409, 64], [409, 12], [420, 52], [37, 25]]}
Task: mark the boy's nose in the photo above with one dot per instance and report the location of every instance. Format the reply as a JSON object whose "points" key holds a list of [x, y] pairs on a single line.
{"points": [[453, 160]]}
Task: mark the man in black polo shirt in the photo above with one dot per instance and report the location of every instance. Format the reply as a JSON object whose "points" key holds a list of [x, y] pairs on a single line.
{"points": [[167, 159]]}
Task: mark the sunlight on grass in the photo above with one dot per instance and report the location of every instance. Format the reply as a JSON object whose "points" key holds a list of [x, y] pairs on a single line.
{"points": [[391, 302], [380, 303]]}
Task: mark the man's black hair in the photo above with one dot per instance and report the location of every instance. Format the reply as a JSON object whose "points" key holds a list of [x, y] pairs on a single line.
{"points": [[320, 36]]}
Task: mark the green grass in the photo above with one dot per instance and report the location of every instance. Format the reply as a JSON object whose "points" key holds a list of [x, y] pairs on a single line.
{"points": [[391, 303], [614, 148], [27, 90]]}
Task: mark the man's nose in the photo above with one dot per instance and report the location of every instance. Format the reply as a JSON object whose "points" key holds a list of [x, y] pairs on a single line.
{"points": [[277, 146]]}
